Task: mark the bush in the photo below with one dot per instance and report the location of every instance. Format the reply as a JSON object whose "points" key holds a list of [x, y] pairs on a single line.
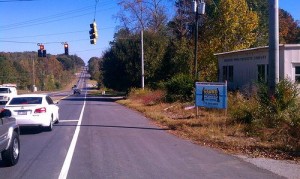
{"points": [[242, 109], [180, 88], [147, 97], [275, 117], [278, 107]]}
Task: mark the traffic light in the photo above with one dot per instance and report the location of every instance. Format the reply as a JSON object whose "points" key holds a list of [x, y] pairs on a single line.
{"points": [[93, 33], [66, 49], [42, 52]]}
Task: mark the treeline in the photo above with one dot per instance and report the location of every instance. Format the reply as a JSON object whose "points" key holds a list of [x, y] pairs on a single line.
{"points": [[25, 69], [169, 43]]}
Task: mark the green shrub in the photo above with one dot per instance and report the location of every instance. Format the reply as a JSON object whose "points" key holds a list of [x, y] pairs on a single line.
{"points": [[277, 113], [278, 107], [180, 88], [242, 109]]}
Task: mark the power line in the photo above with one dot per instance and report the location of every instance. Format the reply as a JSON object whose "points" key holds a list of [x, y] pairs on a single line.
{"points": [[47, 17], [16, 0], [56, 17], [42, 35], [89, 50], [53, 34], [10, 41], [54, 42]]}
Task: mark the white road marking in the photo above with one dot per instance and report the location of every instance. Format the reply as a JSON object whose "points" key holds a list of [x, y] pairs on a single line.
{"points": [[66, 166], [68, 121]]}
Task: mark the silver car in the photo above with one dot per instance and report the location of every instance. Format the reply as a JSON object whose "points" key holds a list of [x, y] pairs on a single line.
{"points": [[9, 138]]}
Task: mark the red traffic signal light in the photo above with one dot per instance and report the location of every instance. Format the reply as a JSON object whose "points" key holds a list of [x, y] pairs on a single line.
{"points": [[42, 52], [66, 49]]}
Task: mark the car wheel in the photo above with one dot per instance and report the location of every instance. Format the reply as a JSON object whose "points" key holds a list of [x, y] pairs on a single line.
{"points": [[50, 127], [11, 155], [57, 119]]}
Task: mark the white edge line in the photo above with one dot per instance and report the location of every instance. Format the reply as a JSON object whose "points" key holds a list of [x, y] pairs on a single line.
{"points": [[68, 121], [66, 166]]}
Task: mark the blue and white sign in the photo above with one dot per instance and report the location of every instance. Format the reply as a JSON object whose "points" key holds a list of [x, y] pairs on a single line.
{"points": [[211, 95]]}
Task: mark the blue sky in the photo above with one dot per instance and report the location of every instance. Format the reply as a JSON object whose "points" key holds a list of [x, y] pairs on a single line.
{"points": [[23, 24]]}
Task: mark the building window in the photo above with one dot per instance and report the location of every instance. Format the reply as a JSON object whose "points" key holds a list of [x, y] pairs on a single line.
{"points": [[228, 73], [262, 73], [297, 74], [224, 73]]}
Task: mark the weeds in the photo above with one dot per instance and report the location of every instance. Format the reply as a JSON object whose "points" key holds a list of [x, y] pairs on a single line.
{"points": [[147, 97], [274, 118]]}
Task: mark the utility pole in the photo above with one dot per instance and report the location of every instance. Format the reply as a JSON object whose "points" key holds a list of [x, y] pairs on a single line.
{"points": [[142, 58], [273, 76], [33, 74], [199, 8], [142, 45], [196, 38]]}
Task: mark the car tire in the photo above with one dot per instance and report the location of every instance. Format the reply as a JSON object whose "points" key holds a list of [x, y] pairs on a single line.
{"points": [[50, 127], [57, 119], [11, 155]]}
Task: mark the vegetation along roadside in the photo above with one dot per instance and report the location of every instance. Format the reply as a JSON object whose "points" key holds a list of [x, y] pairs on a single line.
{"points": [[254, 125]]}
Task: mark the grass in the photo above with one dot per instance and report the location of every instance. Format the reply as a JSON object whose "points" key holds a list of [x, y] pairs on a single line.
{"points": [[211, 128]]}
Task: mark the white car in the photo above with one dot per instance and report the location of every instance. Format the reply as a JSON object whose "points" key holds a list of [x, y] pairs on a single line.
{"points": [[6, 92], [34, 110]]}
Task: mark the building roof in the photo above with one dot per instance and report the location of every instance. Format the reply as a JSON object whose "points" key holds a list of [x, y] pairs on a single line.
{"points": [[256, 48]]}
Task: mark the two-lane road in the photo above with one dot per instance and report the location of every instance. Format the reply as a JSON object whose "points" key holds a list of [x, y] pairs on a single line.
{"points": [[98, 138]]}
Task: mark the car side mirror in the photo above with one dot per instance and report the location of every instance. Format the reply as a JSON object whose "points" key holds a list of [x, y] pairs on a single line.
{"points": [[5, 113]]}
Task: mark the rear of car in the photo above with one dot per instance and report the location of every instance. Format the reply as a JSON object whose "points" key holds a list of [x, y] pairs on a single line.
{"points": [[6, 93], [33, 110]]}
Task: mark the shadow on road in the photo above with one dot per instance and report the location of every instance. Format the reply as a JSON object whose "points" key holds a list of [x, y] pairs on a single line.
{"points": [[29, 130], [93, 98], [110, 126]]}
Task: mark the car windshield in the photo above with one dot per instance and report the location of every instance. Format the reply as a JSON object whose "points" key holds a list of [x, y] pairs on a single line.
{"points": [[3, 90], [26, 100]]}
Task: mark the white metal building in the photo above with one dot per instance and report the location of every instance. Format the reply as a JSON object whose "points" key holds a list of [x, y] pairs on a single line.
{"points": [[243, 67]]}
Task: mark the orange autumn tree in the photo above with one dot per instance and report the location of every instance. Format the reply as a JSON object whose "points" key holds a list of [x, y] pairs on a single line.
{"points": [[288, 28]]}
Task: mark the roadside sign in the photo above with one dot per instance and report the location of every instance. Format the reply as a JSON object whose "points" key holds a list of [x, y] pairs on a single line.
{"points": [[211, 95]]}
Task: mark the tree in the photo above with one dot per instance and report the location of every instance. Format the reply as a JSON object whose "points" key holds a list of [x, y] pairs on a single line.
{"points": [[229, 25], [182, 24], [261, 7], [143, 14], [288, 28], [178, 59], [235, 25], [121, 63], [94, 66], [70, 62], [8, 73]]}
